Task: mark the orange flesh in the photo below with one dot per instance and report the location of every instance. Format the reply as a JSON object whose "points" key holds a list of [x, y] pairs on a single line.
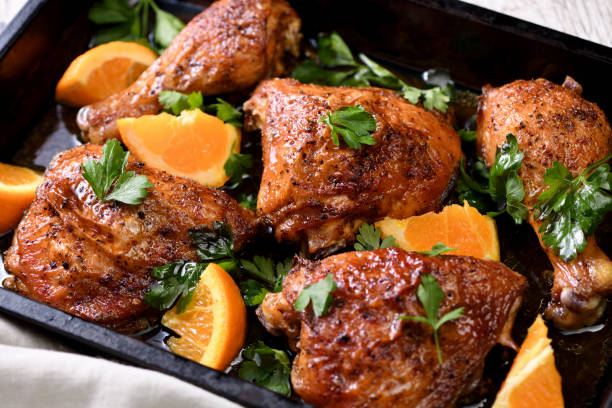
{"points": [[460, 227], [17, 191], [103, 71], [213, 326], [194, 144], [533, 380]]}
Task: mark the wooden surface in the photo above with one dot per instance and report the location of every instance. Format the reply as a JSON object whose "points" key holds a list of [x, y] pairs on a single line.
{"points": [[588, 19]]}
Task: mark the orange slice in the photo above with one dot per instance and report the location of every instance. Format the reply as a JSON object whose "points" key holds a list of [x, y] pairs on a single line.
{"points": [[194, 145], [17, 191], [533, 380], [460, 227], [103, 71], [213, 325]]}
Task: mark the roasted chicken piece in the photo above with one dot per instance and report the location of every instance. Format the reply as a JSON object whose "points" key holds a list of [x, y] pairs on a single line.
{"points": [[314, 191], [229, 47], [360, 354], [94, 259], [553, 123]]}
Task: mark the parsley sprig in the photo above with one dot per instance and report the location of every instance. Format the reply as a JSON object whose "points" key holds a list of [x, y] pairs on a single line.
{"points": [[369, 238], [572, 207], [109, 171], [353, 123], [178, 279], [500, 187], [264, 269], [175, 102], [437, 249], [319, 294], [337, 66], [430, 295], [267, 367], [120, 22]]}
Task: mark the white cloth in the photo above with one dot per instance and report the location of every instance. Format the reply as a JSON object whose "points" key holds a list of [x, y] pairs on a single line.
{"points": [[33, 375]]}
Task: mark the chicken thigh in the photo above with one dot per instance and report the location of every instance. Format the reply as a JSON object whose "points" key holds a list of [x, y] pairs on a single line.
{"points": [[229, 47], [94, 259], [553, 123], [314, 191], [360, 354]]}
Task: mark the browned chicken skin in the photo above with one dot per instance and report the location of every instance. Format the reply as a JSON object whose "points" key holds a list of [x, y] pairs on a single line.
{"points": [[553, 123], [229, 47], [315, 191], [94, 259], [360, 354]]}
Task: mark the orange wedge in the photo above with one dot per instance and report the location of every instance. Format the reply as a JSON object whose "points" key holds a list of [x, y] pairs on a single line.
{"points": [[533, 380], [213, 325], [102, 71], [460, 227], [17, 191], [193, 145]]}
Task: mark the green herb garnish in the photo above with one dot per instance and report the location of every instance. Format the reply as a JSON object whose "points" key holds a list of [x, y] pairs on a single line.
{"points": [[572, 207], [120, 22], [467, 135], [237, 167], [501, 186], [264, 269], [248, 201], [253, 292], [353, 123], [175, 102], [430, 295], [215, 244], [337, 66], [109, 171], [177, 280], [267, 367], [368, 238], [437, 249], [319, 294]]}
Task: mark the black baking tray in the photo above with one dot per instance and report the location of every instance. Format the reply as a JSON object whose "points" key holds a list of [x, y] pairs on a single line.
{"points": [[477, 46]]}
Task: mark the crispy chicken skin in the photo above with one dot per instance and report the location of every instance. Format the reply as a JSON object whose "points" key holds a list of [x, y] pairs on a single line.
{"points": [[360, 354], [315, 191], [553, 123], [229, 47], [94, 259]]}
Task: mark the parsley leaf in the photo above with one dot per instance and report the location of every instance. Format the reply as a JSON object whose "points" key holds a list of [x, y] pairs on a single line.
{"points": [[215, 245], [128, 187], [467, 135], [266, 270], [572, 207], [120, 22], [253, 292], [319, 294], [437, 249], [354, 123], [368, 238], [177, 279], [430, 295], [333, 51], [248, 200], [175, 102], [237, 166], [267, 367], [337, 66], [226, 112], [501, 186]]}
